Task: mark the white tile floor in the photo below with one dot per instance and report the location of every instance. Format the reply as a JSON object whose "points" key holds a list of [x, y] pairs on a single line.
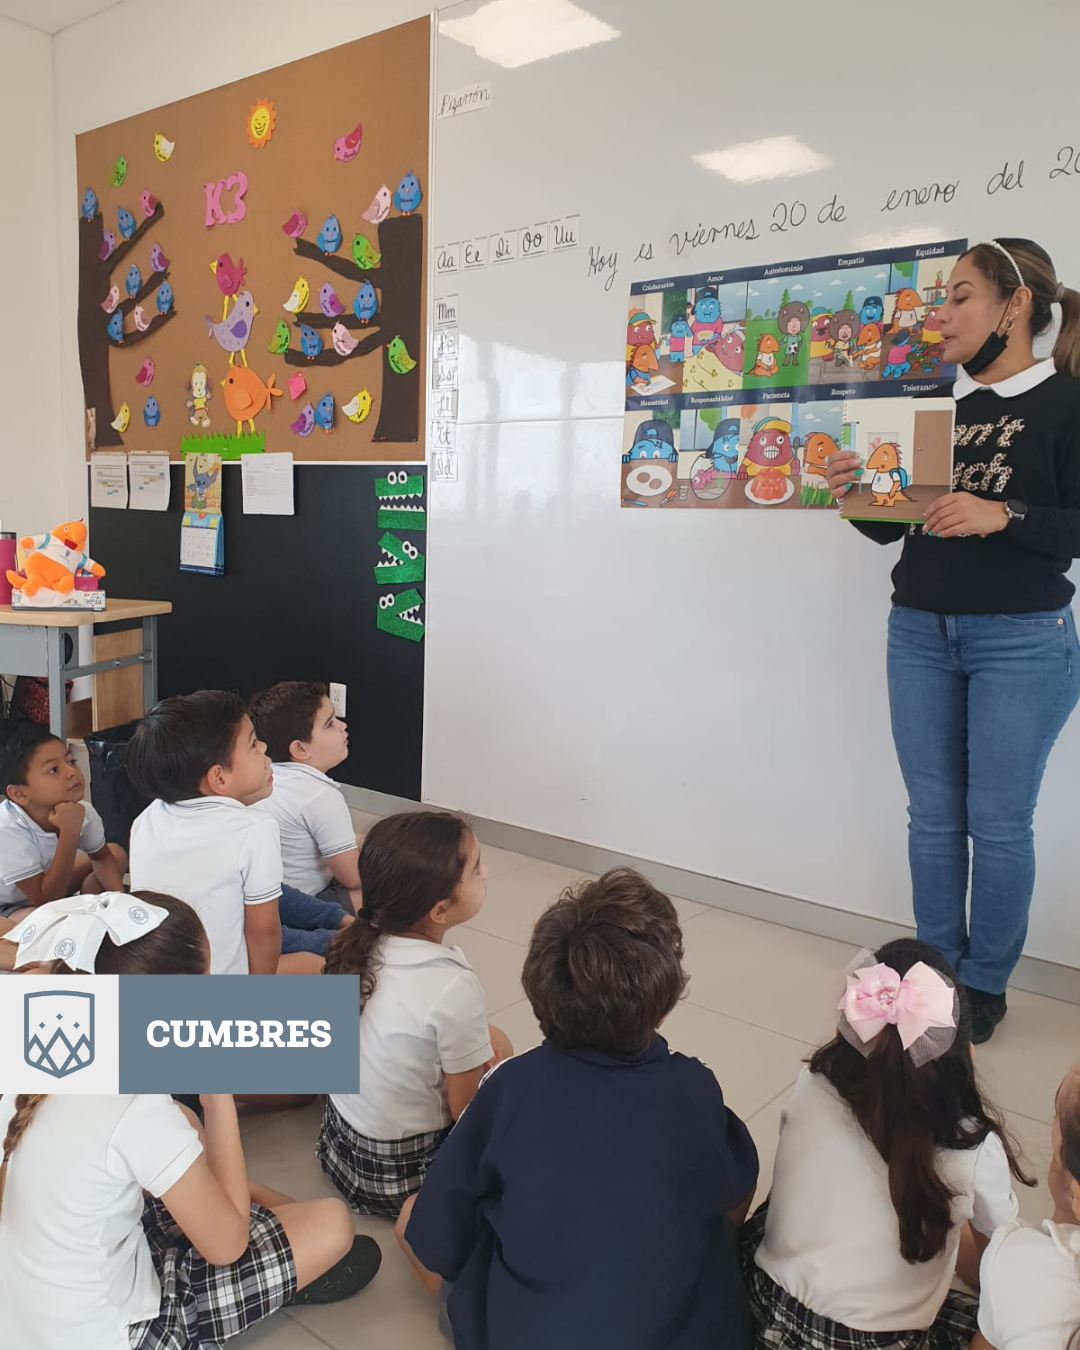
{"points": [[755, 1048]]}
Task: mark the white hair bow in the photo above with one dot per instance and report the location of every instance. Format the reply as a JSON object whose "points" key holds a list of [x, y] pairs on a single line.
{"points": [[72, 930]]}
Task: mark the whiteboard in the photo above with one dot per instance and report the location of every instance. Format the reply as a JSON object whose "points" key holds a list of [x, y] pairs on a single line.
{"points": [[706, 690]]}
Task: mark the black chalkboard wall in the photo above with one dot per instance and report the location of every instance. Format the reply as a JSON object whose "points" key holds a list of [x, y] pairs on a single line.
{"points": [[299, 600]]}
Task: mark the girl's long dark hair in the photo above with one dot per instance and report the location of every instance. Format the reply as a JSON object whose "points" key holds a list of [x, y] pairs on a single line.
{"points": [[909, 1113], [1069, 1123], [408, 863]]}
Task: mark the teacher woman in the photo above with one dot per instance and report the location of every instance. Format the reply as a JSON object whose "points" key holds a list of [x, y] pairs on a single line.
{"points": [[983, 660]]}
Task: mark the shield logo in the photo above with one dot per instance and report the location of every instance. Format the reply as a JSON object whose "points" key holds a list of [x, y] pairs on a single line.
{"points": [[58, 1031]]}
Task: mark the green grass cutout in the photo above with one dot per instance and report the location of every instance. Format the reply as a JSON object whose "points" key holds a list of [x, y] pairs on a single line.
{"points": [[228, 447]]}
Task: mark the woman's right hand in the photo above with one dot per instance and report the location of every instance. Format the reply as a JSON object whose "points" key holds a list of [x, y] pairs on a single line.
{"points": [[841, 471]]}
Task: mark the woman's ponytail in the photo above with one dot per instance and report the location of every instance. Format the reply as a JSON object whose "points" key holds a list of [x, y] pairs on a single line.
{"points": [[1067, 346]]}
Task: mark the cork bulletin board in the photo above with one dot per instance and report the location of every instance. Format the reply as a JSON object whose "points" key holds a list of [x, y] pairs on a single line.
{"points": [[211, 274]]}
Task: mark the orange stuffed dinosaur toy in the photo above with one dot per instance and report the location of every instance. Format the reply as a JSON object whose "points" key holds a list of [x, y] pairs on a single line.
{"points": [[53, 559]]}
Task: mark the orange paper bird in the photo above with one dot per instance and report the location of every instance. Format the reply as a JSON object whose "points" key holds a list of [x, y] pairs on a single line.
{"points": [[246, 395]]}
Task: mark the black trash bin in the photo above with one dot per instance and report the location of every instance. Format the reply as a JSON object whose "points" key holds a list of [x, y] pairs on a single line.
{"points": [[114, 795]]}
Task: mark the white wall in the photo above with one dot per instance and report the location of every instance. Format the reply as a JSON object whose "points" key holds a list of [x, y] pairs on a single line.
{"points": [[33, 454], [203, 44]]}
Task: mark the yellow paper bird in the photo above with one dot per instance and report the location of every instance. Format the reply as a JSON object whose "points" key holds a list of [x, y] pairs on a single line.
{"points": [[357, 408], [163, 148], [121, 420], [299, 297]]}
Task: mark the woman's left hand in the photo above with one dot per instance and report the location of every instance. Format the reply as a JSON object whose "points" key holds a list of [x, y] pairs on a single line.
{"points": [[960, 513]]}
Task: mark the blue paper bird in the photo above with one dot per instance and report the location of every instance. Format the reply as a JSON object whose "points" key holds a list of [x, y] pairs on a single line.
{"points": [[116, 327], [366, 304], [329, 238], [407, 194], [151, 413], [133, 281], [310, 342], [125, 222], [89, 204], [164, 298], [324, 412]]}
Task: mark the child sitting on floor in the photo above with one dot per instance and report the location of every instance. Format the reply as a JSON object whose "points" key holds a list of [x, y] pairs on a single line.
{"points": [[424, 1034], [199, 756], [118, 1228], [305, 739], [52, 843], [1030, 1277], [887, 1150], [591, 1193]]}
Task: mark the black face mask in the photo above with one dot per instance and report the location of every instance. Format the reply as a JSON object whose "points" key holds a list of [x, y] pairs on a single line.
{"points": [[988, 353]]}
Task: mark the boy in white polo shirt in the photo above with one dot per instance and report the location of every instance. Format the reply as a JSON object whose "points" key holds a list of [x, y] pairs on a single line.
{"points": [[198, 755], [305, 739], [52, 843]]}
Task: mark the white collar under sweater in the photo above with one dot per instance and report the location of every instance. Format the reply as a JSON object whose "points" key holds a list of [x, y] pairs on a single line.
{"points": [[1019, 383]]}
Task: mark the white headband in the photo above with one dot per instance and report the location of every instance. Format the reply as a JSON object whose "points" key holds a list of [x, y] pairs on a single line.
{"points": [[993, 243], [72, 930]]}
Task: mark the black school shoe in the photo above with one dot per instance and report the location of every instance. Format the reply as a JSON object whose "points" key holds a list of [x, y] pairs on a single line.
{"points": [[987, 1010], [355, 1271]]}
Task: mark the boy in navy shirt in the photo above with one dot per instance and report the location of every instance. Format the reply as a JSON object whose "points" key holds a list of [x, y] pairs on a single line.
{"points": [[590, 1194]]}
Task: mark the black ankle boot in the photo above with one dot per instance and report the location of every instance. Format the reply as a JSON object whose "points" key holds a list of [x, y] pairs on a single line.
{"points": [[987, 1010]]}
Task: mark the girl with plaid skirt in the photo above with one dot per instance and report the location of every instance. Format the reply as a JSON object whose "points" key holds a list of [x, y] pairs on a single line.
{"points": [[425, 1041], [119, 1230], [890, 1166]]}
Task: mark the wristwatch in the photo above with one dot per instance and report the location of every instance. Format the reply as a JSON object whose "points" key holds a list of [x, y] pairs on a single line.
{"points": [[1016, 510]]}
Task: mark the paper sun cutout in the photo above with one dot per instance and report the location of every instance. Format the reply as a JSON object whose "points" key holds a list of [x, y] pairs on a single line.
{"points": [[260, 122]]}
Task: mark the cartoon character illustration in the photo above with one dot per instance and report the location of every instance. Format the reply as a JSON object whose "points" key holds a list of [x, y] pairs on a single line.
{"points": [[770, 448], [793, 320], [199, 395], [201, 483], [53, 559], [898, 363], [365, 305], [820, 337], [889, 481], [767, 348], [639, 369], [905, 311], [639, 332], [151, 413], [329, 237], [873, 309], [676, 343], [842, 329], [653, 440], [731, 349], [815, 451], [926, 355], [407, 194], [246, 395], [233, 333], [724, 451], [651, 484], [706, 326], [868, 349]]}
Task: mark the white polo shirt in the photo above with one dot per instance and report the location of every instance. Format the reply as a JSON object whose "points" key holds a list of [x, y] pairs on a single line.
{"points": [[426, 1018], [1030, 1287], [75, 1266], [216, 854], [314, 822], [26, 850], [832, 1238]]}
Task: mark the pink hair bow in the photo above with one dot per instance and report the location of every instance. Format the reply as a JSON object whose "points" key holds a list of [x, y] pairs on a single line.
{"points": [[877, 997]]}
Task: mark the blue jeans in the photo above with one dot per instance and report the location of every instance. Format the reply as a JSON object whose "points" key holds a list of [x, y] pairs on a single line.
{"points": [[307, 923], [977, 702]]}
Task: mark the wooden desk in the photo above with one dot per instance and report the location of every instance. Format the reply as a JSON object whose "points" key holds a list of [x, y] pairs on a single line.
{"points": [[32, 643]]}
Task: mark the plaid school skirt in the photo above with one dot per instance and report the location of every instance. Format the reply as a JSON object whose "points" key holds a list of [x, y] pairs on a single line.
{"points": [[203, 1305], [376, 1176], [783, 1323]]}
